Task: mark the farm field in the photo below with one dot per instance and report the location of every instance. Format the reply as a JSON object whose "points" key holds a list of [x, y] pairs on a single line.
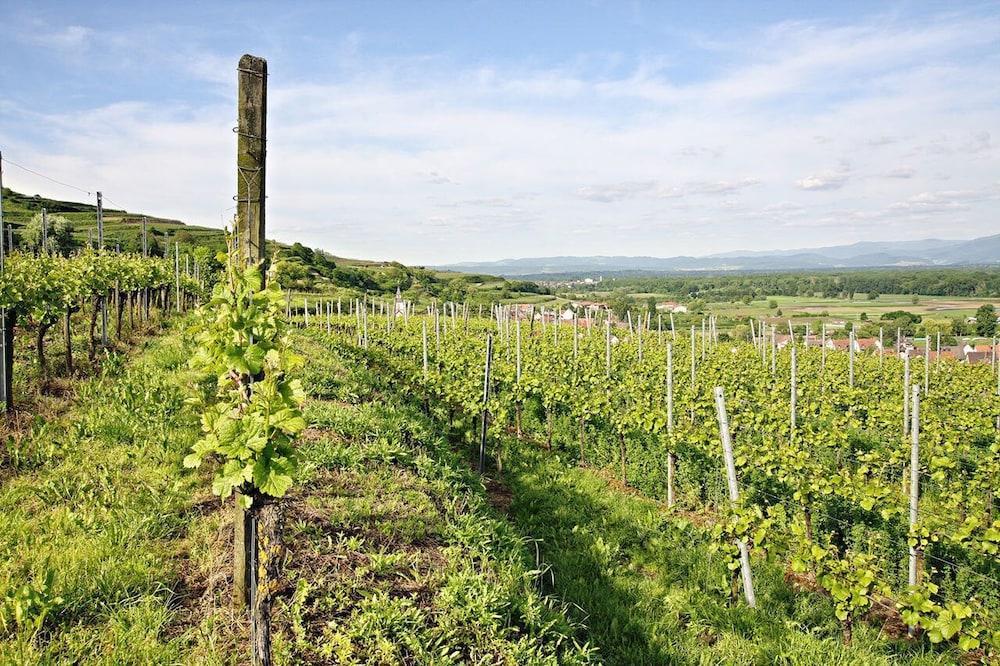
{"points": [[550, 560], [819, 308], [830, 485], [951, 306]]}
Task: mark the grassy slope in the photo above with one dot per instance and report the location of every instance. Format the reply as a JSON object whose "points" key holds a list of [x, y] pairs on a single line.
{"points": [[125, 228], [396, 556], [97, 505], [115, 555]]}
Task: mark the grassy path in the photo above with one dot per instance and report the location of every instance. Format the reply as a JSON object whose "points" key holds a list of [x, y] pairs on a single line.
{"points": [[111, 553], [91, 518]]}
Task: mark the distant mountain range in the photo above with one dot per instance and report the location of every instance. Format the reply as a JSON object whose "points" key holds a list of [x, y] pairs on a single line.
{"points": [[868, 254]]}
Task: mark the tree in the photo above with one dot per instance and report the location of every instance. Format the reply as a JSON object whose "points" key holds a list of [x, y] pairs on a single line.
{"points": [[184, 237], [740, 332], [932, 327], [864, 316], [620, 303], [986, 320], [58, 234], [772, 304]]}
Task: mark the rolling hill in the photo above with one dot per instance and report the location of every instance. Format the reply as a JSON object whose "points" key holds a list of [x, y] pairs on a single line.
{"points": [[300, 268], [929, 252]]}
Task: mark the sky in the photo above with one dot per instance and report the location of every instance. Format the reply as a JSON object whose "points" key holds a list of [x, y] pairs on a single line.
{"points": [[437, 132]]}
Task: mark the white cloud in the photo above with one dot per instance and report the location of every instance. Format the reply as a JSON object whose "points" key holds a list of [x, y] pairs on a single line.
{"points": [[828, 180], [69, 38], [425, 162], [615, 191]]}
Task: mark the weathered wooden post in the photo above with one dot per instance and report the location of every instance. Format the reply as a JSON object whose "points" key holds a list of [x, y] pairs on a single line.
{"points": [[6, 324], [906, 396], [774, 351], [100, 245], [424, 341], [177, 276], [260, 526], [250, 155], [927, 364], [607, 348], [823, 352], [734, 493]]}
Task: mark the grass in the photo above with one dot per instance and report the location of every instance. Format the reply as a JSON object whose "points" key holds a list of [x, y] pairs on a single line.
{"points": [[91, 516], [395, 553], [835, 308], [652, 593], [112, 554]]}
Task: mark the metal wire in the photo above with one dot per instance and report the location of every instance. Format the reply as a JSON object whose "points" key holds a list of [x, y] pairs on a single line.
{"points": [[42, 175], [849, 525]]}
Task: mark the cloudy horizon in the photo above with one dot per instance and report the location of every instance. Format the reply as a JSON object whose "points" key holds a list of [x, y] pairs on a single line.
{"points": [[599, 129]]}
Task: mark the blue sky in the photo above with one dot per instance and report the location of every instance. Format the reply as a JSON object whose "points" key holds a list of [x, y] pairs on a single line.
{"points": [[436, 132]]}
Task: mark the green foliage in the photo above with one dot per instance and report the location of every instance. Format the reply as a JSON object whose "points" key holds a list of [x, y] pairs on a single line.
{"points": [[28, 604], [251, 421], [44, 285], [58, 235], [981, 282], [852, 580], [986, 320], [901, 316], [841, 466]]}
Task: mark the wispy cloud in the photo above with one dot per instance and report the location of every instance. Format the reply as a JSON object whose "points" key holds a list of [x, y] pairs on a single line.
{"points": [[422, 158], [828, 180], [68, 38], [615, 191]]}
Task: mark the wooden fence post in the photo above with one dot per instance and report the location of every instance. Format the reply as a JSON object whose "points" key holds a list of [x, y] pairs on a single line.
{"points": [[250, 170], [424, 340], [927, 364], [607, 348], [906, 395], [100, 245], [6, 329], [850, 359]]}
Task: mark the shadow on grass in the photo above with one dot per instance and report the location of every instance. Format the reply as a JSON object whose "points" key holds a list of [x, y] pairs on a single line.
{"points": [[586, 571]]}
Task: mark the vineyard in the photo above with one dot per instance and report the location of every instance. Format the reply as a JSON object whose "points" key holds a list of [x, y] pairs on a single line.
{"points": [[823, 443], [253, 455]]}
